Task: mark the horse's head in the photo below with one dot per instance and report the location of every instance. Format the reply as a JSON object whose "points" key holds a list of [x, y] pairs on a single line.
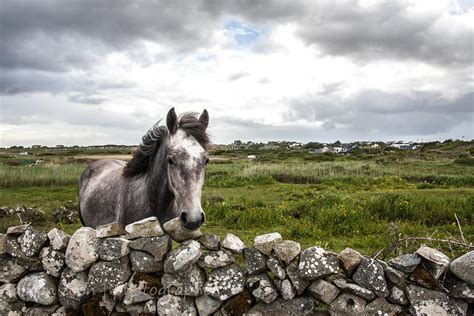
{"points": [[186, 158]]}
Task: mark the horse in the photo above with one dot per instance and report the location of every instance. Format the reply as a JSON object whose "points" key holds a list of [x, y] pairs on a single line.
{"points": [[164, 178]]}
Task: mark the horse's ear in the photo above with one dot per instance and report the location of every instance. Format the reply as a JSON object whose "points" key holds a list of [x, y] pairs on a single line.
{"points": [[172, 121], [204, 118]]}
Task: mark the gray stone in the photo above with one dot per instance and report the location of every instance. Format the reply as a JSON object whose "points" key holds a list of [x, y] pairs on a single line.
{"points": [[287, 290], [370, 275], [216, 259], [315, 262], [210, 241], [148, 227], [183, 257], [459, 289], [428, 302], [397, 296], [53, 261], [225, 282], [262, 287], [188, 282], [81, 251], [255, 261], [139, 309], [8, 292], [31, 242], [10, 270], [145, 262], [40, 310], [176, 305], [434, 261], [323, 291], [350, 259], [72, 288], [17, 230], [110, 230], [287, 250], [463, 267], [207, 305], [3, 245], [281, 307], [274, 265], [175, 229], [14, 250], [38, 288], [14, 308], [347, 304], [113, 248], [299, 283], [157, 246], [58, 239], [105, 275], [141, 287], [381, 307], [118, 292], [265, 243], [395, 276], [233, 243], [406, 263], [354, 289]]}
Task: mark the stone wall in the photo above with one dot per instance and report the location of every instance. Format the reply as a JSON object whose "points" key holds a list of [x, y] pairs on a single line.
{"points": [[140, 270]]}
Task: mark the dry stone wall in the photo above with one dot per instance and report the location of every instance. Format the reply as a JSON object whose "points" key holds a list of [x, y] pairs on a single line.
{"points": [[139, 270]]}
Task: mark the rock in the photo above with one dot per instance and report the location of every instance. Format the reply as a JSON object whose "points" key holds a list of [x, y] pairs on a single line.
{"points": [[287, 290], [53, 261], [3, 245], [119, 291], [265, 243], [424, 278], [225, 282], [141, 287], [183, 257], [14, 250], [144, 308], [350, 259], [216, 259], [41, 310], [58, 239], [315, 262], [434, 261], [207, 305], [297, 306], [31, 242], [8, 292], [397, 296], [17, 230], [148, 227], [175, 305], [238, 304], [38, 288], [99, 304], [233, 243], [145, 262], [157, 246], [395, 276], [113, 248], [10, 270], [347, 304], [62, 311], [406, 263], [323, 291], [14, 308], [254, 261], [105, 275], [459, 289], [275, 267], [287, 250], [354, 289], [110, 230], [381, 307], [428, 302], [262, 288], [188, 282], [81, 251], [210, 241], [370, 275], [299, 283], [463, 267], [72, 288], [175, 229]]}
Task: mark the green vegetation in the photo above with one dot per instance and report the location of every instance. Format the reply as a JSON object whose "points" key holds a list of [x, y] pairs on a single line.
{"points": [[362, 201]]}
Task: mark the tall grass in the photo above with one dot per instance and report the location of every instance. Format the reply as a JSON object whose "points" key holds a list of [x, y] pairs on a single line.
{"points": [[37, 175]]}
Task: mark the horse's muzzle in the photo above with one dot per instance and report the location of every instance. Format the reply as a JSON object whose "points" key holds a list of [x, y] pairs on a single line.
{"points": [[190, 222]]}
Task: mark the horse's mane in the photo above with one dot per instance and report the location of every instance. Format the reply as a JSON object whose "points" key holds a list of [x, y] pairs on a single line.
{"points": [[154, 138]]}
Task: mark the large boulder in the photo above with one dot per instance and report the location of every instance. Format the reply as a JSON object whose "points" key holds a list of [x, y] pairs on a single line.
{"points": [[31, 242], [38, 288], [58, 239], [315, 262], [188, 282], [148, 227], [370, 275], [105, 275], [72, 288], [255, 261], [183, 257], [287, 250], [233, 243], [463, 267], [82, 250], [265, 243], [223, 283], [350, 259]]}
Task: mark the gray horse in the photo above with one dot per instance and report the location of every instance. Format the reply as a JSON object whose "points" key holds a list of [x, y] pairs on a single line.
{"points": [[163, 179]]}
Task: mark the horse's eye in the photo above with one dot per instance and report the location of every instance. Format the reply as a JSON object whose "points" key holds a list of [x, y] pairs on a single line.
{"points": [[170, 161], [207, 161]]}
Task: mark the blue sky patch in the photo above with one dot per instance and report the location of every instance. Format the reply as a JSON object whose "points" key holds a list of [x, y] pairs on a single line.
{"points": [[244, 34]]}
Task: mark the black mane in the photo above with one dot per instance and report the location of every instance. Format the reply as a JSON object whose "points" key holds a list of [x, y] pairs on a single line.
{"points": [[155, 137]]}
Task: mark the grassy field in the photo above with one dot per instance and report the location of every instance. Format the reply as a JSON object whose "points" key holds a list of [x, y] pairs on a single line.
{"points": [[331, 201]]}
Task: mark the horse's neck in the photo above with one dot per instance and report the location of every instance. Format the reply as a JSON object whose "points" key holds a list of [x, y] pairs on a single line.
{"points": [[161, 199]]}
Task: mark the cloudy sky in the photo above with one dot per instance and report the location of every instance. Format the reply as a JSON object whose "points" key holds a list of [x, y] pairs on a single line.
{"points": [[95, 72]]}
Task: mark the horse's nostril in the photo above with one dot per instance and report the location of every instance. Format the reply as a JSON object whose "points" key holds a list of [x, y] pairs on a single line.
{"points": [[183, 217], [203, 218]]}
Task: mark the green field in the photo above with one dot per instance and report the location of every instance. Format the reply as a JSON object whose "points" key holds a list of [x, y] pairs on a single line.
{"points": [[364, 201]]}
